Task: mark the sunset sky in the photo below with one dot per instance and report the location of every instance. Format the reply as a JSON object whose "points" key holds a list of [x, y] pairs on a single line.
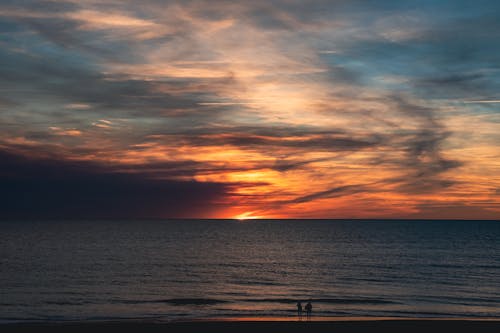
{"points": [[249, 109]]}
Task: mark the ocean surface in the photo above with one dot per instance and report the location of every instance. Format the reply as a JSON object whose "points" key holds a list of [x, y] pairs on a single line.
{"points": [[181, 269]]}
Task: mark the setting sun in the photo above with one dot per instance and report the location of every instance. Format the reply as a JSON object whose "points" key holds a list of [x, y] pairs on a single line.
{"points": [[247, 216]]}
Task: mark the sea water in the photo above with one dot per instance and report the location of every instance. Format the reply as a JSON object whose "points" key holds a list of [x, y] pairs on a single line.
{"points": [[178, 269]]}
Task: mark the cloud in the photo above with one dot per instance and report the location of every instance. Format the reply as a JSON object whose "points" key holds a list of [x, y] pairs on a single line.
{"points": [[283, 106], [56, 189], [459, 85], [330, 193], [68, 132], [422, 146], [96, 91], [310, 142], [492, 101], [284, 165], [77, 106]]}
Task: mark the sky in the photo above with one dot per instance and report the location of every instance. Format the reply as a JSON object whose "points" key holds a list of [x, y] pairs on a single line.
{"points": [[249, 109]]}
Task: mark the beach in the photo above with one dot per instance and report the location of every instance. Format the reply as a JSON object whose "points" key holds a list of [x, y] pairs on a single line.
{"points": [[274, 325]]}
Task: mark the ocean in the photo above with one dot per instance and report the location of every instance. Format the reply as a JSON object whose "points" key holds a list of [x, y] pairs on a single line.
{"points": [[183, 269]]}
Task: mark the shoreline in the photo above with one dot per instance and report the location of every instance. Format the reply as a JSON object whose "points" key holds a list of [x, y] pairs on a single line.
{"points": [[332, 319], [265, 324], [159, 320]]}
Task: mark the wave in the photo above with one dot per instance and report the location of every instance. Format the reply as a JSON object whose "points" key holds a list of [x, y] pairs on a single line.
{"points": [[461, 300], [65, 303], [212, 301], [465, 266], [322, 300], [258, 283], [194, 301], [176, 301], [350, 279], [437, 314], [355, 301]]}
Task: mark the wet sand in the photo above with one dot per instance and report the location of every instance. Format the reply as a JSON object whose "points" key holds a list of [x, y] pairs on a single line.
{"points": [[274, 325]]}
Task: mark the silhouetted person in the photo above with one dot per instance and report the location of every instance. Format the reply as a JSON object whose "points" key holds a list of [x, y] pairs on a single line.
{"points": [[309, 309], [299, 310]]}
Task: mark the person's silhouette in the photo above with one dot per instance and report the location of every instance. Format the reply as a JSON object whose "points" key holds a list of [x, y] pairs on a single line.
{"points": [[299, 310], [309, 308]]}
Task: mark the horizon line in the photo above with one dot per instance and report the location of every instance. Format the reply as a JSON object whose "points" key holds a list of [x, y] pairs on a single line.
{"points": [[241, 220]]}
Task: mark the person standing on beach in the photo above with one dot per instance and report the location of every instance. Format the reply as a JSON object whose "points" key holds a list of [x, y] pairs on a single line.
{"points": [[299, 310], [309, 308]]}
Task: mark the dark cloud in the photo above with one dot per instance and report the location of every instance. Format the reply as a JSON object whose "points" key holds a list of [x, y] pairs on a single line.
{"points": [[60, 31], [48, 189], [462, 86], [311, 141], [454, 79], [424, 161], [331, 193], [415, 148], [343, 74], [6, 102], [40, 6], [322, 143], [283, 165]]}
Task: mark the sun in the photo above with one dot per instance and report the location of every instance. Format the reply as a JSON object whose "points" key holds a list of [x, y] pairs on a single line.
{"points": [[247, 216]]}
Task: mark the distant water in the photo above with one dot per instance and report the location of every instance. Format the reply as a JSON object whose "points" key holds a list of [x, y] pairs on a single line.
{"points": [[163, 270]]}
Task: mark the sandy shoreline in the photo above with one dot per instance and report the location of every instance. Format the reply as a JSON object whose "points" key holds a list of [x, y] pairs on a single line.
{"points": [[274, 324]]}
